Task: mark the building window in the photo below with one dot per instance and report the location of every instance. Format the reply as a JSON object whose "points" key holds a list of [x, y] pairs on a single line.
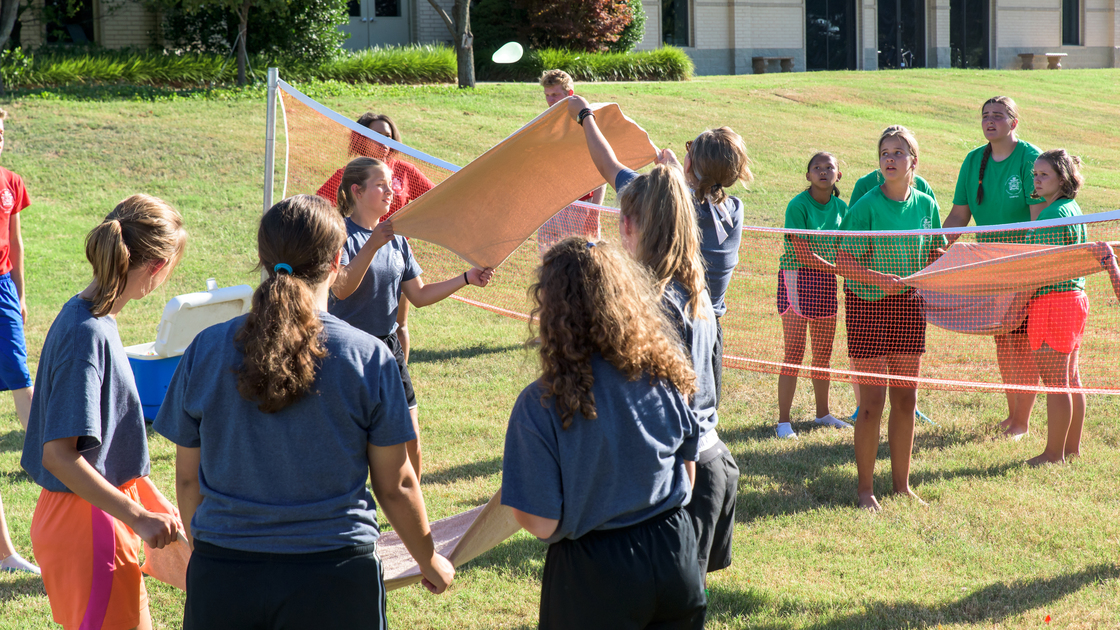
{"points": [[387, 8], [1071, 22], [674, 23], [355, 8]]}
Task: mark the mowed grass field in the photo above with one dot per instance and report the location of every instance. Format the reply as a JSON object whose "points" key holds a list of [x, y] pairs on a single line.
{"points": [[999, 545]]}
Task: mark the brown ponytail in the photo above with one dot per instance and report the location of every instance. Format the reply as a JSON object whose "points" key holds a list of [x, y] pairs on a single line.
{"points": [[141, 230], [280, 340], [719, 159], [358, 172]]}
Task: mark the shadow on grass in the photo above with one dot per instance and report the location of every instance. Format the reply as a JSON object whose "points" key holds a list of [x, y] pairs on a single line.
{"points": [[521, 556], [12, 441], [25, 585], [472, 470], [424, 355], [993, 604], [822, 474]]}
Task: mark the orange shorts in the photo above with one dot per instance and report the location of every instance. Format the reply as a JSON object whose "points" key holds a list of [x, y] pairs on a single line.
{"points": [[90, 562], [1058, 320]]}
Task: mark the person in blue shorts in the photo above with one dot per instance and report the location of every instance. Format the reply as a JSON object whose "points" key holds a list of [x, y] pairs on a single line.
{"points": [[279, 418], [601, 450]]}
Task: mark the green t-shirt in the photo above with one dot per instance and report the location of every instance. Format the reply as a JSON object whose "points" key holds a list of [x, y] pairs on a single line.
{"points": [[1060, 235], [898, 255], [1008, 187], [804, 213], [875, 179]]}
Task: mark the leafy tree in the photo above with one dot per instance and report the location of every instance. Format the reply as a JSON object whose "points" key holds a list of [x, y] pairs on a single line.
{"points": [[584, 25], [459, 25], [632, 35], [241, 8]]}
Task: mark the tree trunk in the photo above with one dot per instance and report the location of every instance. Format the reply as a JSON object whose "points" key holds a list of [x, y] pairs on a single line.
{"points": [[464, 43], [242, 47], [9, 10]]}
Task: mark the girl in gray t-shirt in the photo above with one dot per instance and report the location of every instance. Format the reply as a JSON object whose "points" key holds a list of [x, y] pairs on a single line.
{"points": [[600, 450], [86, 443]]}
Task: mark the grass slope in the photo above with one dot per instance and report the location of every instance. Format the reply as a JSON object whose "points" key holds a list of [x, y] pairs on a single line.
{"points": [[999, 546]]}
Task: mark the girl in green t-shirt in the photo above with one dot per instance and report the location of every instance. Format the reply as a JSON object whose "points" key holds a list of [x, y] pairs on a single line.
{"points": [[807, 288], [995, 186], [1058, 312], [883, 317]]}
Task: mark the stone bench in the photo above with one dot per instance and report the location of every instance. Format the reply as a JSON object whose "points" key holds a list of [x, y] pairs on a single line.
{"points": [[1053, 60], [760, 64]]}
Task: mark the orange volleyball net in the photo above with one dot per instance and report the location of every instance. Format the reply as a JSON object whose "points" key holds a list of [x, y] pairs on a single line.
{"points": [[1036, 286]]}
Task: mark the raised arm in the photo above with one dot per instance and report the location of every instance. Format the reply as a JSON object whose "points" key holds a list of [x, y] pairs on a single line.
{"points": [[399, 495], [959, 216], [350, 276], [1108, 261], [422, 294], [601, 152]]}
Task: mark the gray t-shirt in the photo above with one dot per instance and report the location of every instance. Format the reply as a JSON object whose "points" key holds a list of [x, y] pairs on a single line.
{"points": [[719, 258], [293, 481], [84, 388], [372, 307], [699, 337], [622, 468]]}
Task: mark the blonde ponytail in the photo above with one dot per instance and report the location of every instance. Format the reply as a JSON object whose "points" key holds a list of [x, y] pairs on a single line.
{"points": [[141, 230]]}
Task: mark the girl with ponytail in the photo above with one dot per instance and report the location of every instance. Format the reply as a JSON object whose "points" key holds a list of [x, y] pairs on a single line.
{"points": [[659, 227], [86, 443], [378, 268], [996, 186], [280, 417]]}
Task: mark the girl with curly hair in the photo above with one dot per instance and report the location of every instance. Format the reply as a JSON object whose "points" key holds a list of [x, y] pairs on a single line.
{"points": [[600, 450]]}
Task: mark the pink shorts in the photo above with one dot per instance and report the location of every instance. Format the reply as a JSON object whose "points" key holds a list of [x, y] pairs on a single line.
{"points": [[1058, 320]]}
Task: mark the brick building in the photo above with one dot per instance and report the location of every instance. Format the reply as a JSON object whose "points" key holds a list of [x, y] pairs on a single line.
{"points": [[735, 36]]}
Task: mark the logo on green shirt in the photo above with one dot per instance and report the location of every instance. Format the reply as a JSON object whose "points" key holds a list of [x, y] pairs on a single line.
{"points": [[1014, 186], [927, 224]]}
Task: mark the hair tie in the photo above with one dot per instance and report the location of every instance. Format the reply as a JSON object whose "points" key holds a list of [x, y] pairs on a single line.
{"points": [[590, 244], [278, 267]]}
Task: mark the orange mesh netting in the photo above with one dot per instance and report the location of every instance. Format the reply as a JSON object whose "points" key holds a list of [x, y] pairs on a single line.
{"points": [[978, 288]]}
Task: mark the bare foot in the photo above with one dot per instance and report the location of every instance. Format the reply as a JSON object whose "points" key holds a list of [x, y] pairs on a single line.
{"points": [[907, 492], [1072, 454], [1015, 434], [868, 502], [1042, 459], [1006, 424]]}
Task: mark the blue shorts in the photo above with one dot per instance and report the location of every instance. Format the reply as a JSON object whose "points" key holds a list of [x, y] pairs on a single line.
{"points": [[13, 348], [810, 293]]}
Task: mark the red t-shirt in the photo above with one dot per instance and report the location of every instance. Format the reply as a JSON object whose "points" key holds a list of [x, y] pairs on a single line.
{"points": [[13, 199], [408, 184]]}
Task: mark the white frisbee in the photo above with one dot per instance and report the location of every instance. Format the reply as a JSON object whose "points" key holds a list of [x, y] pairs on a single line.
{"points": [[510, 53]]}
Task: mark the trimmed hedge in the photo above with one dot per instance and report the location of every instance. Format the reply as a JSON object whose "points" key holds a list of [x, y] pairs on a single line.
{"points": [[403, 65]]}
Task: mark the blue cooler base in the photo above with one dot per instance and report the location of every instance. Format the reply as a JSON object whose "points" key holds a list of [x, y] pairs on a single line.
{"points": [[152, 378]]}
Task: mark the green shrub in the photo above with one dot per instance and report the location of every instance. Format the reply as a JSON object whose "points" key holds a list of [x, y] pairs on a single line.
{"points": [[298, 29], [632, 35], [405, 64], [663, 64]]}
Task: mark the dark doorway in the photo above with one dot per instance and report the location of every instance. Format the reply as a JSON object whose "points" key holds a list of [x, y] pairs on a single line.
{"points": [[674, 23], [68, 22], [968, 33], [902, 33], [830, 34]]}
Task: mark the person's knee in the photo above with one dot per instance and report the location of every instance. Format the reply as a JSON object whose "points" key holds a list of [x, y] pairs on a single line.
{"points": [[872, 398]]}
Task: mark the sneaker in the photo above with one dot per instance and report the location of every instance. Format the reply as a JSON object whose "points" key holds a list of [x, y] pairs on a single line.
{"points": [[833, 421], [15, 562], [785, 431], [855, 415]]}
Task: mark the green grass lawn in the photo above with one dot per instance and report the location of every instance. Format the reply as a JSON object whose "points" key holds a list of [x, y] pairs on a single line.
{"points": [[999, 545]]}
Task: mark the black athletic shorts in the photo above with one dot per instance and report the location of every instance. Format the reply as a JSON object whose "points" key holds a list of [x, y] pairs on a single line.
{"points": [[642, 576], [712, 508], [333, 590], [398, 354], [894, 324]]}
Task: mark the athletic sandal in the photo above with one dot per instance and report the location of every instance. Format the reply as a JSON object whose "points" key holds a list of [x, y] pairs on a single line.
{"points": [[785, 431], [833, 421], [15, 563]]}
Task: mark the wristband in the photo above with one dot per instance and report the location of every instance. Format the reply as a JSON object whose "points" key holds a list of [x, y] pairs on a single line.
{"points": [[583, 114], [466, 279]]}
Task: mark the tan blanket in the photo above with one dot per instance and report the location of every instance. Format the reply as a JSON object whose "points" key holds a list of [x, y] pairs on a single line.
{"points": [[491, 206]]}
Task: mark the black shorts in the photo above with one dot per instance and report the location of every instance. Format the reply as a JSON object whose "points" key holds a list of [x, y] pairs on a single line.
{"points": [[398, 354], [809, 292], [333, 590], [712, 508], [893, 325], [642, 576]]}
